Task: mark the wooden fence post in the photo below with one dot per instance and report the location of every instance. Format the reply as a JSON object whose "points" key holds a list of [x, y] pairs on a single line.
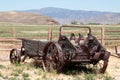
{"points": [[49, 33], [102, 35], [14, 32]]}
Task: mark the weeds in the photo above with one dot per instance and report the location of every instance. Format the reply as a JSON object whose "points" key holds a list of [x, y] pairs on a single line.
{"points": [[108, 77], [15, 74], [38, 79], [26, 78], [19, 71], [25, 75], [1, 74], [5, 77], [30, 66], [117, 66], [1, 66], [13, 78], [89, 77], [101, 76], [44, 76], [77, 78], [17, 64], [40, 71], [78, 73]]}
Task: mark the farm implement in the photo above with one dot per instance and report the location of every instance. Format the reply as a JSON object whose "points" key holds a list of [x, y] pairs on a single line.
{"points": [[56, 54]]}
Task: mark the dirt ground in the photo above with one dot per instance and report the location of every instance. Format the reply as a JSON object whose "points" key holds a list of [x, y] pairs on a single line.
{"points": [[112, 70]]}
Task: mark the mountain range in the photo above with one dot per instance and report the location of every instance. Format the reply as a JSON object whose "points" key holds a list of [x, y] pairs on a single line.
{"points": [[66, 16]]}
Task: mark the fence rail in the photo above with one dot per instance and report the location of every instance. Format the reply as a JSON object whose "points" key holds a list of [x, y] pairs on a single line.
{"points": [[48, 35]]}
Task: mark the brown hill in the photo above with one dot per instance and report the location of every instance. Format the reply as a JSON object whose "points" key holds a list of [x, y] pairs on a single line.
{"points": [[26, 18]]}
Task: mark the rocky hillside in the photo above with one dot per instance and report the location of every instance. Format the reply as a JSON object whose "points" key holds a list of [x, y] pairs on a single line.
{"points": [[65, 16], [26, 18]]}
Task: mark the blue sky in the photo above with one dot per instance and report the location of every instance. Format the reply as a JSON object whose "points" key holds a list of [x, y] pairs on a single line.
{"points": [[89, 5]]}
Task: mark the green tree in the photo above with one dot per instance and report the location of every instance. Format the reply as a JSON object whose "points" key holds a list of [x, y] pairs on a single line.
{"points": [[94, 24], [81, 23], [74, 22]]}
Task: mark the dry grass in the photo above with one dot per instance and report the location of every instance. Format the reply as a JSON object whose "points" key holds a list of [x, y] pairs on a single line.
{"points": [[27, 71]]}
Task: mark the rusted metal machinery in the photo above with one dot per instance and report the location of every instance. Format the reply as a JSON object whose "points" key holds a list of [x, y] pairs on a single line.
{"points": [[117, 48], [56, 54]]}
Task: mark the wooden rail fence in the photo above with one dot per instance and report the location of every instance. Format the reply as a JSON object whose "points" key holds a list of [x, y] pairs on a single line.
{"points": [[13, 39]]}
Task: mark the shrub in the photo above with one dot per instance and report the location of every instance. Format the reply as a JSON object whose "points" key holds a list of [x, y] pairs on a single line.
{"points": [[108, 77], [25, 75], [1, 66], [89, 77]]}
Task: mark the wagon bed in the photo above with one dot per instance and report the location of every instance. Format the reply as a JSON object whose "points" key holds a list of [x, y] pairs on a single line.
{"points": [[54, 55], [33, 47]]}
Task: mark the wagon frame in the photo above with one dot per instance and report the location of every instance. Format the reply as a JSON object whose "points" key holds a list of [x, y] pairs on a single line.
{"points": [[56, 54]]}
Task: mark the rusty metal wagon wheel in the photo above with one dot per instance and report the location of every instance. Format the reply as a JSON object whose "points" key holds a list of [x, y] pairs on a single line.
{"points": [[53, 58], [15, 56], [102, 66], [99, 66], [103, 63]]}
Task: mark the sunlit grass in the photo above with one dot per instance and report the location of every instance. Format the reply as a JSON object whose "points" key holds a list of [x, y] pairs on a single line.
{"points": [[41, 31], [28, 71]]}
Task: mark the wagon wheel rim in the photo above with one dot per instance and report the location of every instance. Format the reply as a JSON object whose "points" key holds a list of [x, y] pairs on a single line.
{"points": [[14, 56], [52, 61], [98, 66], [101, 66]]}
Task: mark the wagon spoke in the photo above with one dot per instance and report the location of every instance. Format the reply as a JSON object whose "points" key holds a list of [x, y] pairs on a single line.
{"points": [[52, 61], [49, 58], [14, 56]]}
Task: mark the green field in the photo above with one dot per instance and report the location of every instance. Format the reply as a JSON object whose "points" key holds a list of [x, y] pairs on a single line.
{"points": [[6, 30], [41, 31], [24, 30]]}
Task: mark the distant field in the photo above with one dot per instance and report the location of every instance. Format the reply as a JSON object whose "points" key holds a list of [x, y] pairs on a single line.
{"points": [[24, 30], [39, 31]]}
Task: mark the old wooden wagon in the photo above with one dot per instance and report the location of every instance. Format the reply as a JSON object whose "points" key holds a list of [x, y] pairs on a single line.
{"points": [[56, 54]]}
